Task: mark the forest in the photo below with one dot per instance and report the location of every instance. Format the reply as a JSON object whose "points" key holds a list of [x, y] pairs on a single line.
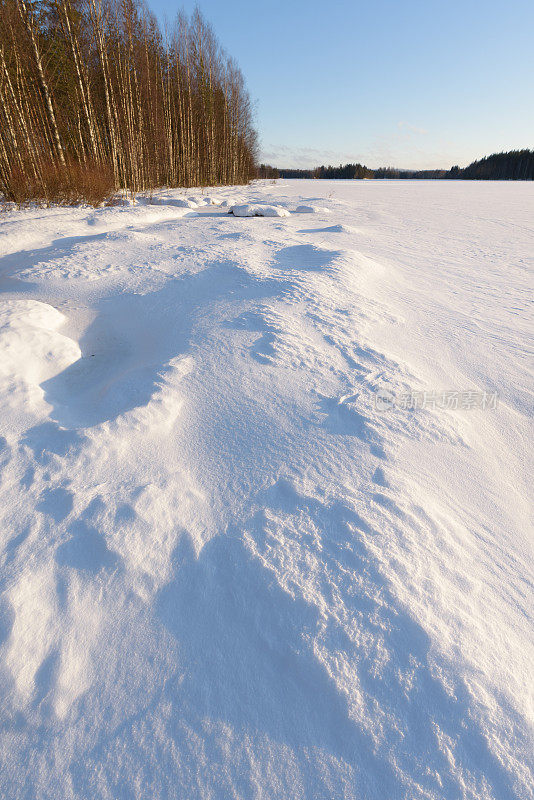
{"points": [[516, 165], [95, 98]]}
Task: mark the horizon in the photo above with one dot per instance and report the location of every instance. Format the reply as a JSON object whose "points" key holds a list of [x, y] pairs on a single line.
{"points": [[395, 166], [425, 86]]}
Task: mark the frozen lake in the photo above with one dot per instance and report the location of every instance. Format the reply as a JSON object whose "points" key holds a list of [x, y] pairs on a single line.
{"points": [[265, 495]]}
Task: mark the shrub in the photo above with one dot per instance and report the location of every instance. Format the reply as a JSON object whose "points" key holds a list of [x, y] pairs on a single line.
{"points": [[73, 184]]}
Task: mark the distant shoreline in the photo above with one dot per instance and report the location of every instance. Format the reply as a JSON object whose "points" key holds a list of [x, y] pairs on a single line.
{"points": [[515, 165], [407, 180]]}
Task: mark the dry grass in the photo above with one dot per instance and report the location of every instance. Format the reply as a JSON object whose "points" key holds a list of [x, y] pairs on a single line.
{"points": [[75, 184]]}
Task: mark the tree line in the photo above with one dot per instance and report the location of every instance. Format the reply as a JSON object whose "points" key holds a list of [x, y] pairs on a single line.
{"points": [[516, 165], [92, 94]]}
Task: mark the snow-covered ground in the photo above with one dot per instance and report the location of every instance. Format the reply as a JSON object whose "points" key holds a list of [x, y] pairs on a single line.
{"points": [[237, 562]]}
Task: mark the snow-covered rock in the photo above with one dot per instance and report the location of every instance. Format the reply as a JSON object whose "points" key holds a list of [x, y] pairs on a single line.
{"points": [[242, 211], [178, 202], [272, 211], [258, 211]]}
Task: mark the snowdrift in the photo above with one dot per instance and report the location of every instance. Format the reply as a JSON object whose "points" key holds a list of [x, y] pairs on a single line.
{"points": [[261, 535]]}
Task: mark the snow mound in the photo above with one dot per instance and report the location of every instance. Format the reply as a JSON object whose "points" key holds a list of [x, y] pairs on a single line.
{"points": [[272, 211], [178, 202], [258, 211], [330, 229], [311, 210], [31, 351]]}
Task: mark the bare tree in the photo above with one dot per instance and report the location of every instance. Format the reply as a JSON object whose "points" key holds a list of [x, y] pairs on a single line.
{"points": [[92, 85]]}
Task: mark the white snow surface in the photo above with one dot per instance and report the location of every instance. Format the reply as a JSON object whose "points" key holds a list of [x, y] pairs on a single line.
{"points": [[248, 210], [310, 210], [225, 572]]}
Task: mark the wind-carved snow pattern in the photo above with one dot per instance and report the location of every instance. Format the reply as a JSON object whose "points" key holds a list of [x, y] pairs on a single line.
{"points": [[227, 572]]}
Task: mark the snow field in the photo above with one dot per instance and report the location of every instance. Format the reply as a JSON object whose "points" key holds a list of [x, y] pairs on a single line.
{"points": [[226, 572]]}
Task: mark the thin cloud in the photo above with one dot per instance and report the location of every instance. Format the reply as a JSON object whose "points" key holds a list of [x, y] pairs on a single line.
{"points": [[407, 126], [303, 157], [403, 151]]}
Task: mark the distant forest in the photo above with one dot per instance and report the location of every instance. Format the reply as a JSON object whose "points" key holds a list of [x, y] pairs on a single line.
{"points": [[517, 165], [94, 97]]}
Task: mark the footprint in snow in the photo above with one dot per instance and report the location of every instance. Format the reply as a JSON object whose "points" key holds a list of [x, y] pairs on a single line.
{"points": [[46, 676], [86, 551], [49, 439], [341, 417], [57, 503], [236, 235], [263, 349], [12, 546]]}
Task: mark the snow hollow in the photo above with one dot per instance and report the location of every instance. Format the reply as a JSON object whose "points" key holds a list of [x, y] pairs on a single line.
{"points": [[265, 494]]}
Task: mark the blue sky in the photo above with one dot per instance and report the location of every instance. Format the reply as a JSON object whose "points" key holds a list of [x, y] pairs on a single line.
{"points": [[400, 83]]}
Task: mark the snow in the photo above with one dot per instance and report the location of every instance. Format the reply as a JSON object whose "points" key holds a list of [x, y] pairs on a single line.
{"points": [[247, 210], [311, 210], [227, 569], [179, 202]]}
